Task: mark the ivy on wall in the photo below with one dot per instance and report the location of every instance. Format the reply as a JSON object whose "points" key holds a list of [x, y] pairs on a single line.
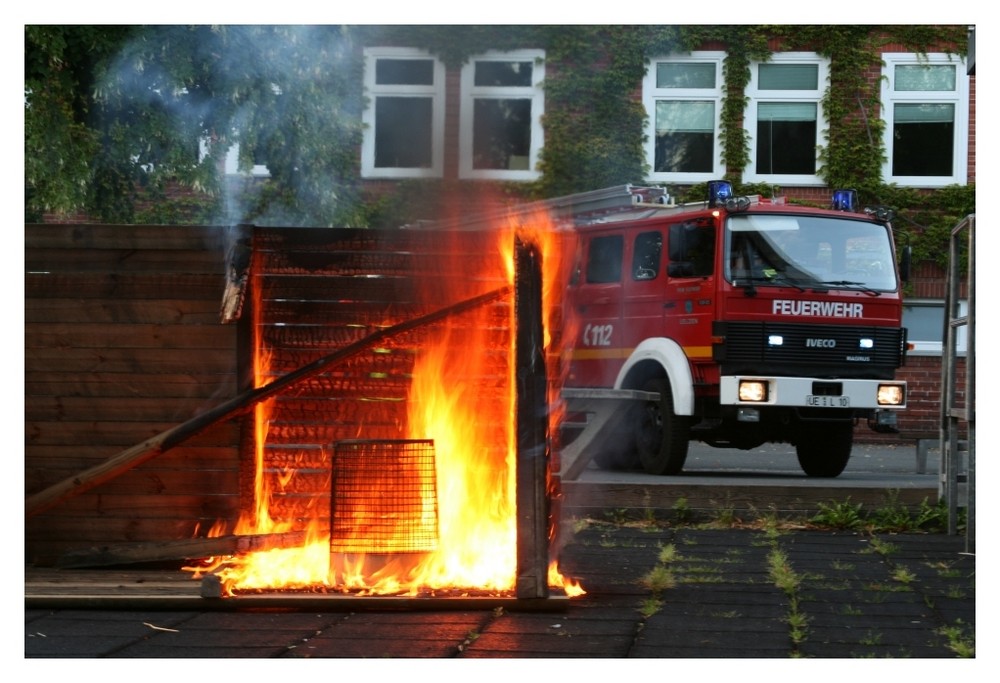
{"points": [[594, 120]]}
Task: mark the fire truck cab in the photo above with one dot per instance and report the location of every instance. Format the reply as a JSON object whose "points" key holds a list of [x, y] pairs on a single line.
{"points": [[743, 320]]}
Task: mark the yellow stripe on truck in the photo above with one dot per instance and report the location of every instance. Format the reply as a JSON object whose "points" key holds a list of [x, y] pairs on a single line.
{"points": [[599, 354], [621, 354]]}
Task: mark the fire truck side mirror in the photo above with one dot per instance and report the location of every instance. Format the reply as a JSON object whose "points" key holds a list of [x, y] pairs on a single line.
{"points": [[905, 261]]}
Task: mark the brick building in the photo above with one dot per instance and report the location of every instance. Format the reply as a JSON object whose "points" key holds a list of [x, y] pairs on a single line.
{"points": [[493, 123], [484, 121]]}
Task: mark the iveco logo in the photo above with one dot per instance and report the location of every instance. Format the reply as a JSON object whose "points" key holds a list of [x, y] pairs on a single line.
{"points": [[821, 343]]}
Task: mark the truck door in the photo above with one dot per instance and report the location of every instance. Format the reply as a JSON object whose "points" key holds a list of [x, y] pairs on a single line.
{"points": [[642, 302], [688, 300], [596, 300]]}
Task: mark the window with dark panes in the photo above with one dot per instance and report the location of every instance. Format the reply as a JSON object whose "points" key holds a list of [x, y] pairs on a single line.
{"points": [[404, 71], [787, 131], [784, 118], [403, 131], [683, 97], [691, 249], [500, 118], [646, 256], [925, 109], [505, 73], [404, 121], [604, 259], [923, 133], [923, 136], [685, 129], [501, 134], [685, 137], [502, 126]]}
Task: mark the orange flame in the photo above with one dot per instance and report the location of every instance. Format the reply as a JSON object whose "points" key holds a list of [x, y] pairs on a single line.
{"points": [[474, 445]]}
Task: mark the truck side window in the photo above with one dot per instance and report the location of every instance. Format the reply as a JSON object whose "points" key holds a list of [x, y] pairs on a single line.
{"points": [[691, 249], [646, 256], [604, 259]]}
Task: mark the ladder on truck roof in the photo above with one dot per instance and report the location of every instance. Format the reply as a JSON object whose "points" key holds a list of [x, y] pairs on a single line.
{"points": [[620, 202]]}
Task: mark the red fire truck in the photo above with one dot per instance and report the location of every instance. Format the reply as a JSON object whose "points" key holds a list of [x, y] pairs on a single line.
{"points": [[736, 321]]}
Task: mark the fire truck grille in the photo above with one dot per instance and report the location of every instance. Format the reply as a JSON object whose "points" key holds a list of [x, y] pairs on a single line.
{"points": [[383, 497], [782, 348]]}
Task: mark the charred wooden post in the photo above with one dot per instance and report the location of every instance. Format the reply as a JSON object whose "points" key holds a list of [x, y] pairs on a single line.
{"points": [[238, 257], [531, 428]]}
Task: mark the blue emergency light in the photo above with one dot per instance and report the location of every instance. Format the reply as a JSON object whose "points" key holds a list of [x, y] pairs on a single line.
{"points": [[845, 200], [718, 192]]}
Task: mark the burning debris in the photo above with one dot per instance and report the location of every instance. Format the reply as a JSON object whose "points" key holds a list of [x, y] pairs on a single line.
{"points": [[439, 490]]}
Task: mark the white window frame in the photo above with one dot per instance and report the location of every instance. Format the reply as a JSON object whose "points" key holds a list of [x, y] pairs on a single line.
{"points": [[435, 92], [231, 162], [652, 94], [959, 97], [935, 345], [756, 96], [471, 92]]}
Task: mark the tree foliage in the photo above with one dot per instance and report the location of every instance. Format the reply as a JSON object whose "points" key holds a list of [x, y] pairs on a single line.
{"points": [[115, 112], [61, 64]]}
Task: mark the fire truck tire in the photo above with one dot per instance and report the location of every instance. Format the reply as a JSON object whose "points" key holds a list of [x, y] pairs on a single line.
{"points": [[824, 449], [661, 435]]}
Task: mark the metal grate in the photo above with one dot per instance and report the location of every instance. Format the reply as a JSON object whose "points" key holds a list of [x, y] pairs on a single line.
{"points": [[383, 497]]}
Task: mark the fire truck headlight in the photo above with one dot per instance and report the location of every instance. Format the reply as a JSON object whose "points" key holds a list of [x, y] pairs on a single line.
{"points": [[775, 340], [754, 390], [891, 395], [866, 343]]}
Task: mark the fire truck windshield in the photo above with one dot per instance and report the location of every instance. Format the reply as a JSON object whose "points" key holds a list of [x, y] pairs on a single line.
{"points": [[809, 251]]}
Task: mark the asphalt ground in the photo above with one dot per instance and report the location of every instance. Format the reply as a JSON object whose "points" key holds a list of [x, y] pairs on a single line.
{"points": [[876, 465], [718, 597]]}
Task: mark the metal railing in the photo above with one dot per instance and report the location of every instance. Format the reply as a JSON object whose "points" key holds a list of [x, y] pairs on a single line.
{"points": [[958, 455]]}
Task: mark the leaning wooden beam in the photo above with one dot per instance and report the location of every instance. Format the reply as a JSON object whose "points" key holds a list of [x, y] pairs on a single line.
{"points": [[609, 407], [150, 448], [183, 549]]}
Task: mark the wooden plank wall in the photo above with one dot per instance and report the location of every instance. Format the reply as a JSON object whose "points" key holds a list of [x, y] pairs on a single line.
{"points": [[123, 340], [321, 290]]}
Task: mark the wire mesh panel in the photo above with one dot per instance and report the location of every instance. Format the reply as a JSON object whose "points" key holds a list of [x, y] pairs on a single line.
{"points": [[383, 497]]}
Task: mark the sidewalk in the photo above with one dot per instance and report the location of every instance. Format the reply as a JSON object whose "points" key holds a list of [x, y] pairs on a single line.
{"points": [[651, 593]]}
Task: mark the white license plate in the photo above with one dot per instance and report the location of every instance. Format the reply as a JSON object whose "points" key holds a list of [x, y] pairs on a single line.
{"points": [[828, 401]]}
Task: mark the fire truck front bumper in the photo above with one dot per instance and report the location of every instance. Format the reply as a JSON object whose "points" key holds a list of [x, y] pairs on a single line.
{"points": [[811, 392]]}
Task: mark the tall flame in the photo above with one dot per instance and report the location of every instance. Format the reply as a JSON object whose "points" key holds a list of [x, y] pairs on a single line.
{"points": [[454, 402]]}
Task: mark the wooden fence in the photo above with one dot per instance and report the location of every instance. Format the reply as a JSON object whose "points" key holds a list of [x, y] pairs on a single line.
{"points": [[131, 331], [123, 340]]}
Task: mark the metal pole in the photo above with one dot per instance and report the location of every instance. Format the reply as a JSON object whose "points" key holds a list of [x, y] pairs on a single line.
{"points": [[970, 391]]}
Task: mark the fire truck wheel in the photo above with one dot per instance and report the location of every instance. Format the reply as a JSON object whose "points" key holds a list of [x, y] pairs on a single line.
{"points": [[661, 435], [617, 451], [824, 449], [618, 460]]}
